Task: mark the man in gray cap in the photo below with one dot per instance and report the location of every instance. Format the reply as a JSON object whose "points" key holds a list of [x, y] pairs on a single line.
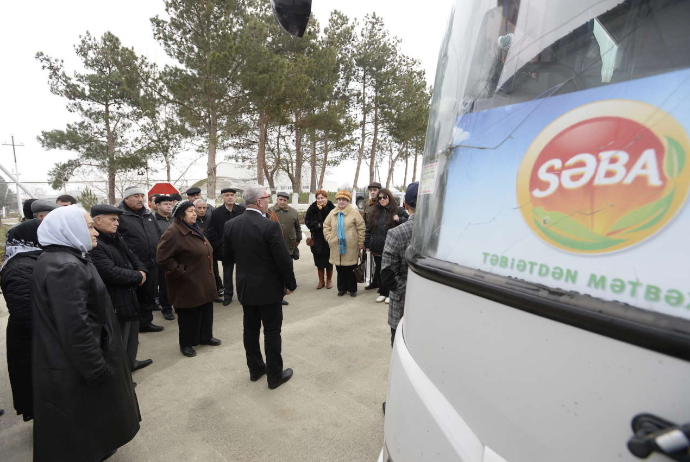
{"points": [[41, 208], [289, 221], [122, 272], [141, 234]]}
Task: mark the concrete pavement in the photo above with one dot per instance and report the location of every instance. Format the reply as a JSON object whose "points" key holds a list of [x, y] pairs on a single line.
{"points": [[205, 408]]}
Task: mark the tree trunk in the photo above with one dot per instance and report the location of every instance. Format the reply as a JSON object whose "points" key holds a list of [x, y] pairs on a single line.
{"points": [[407, 159], [167, 168], [374, 141], [392, 166], [211, 163], [261, 155], [111, 157], [297, 177], [414, 169], [325, 159], [360, 154], [312, 182]]}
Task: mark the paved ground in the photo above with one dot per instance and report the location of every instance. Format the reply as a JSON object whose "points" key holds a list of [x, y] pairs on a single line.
{"points": [[206, 409]]}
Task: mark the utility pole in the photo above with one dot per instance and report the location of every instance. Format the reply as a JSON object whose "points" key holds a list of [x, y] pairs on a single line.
{"points": [[16, 171]]}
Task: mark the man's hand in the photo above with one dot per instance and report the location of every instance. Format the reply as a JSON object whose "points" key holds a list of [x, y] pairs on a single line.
{"points": [[288, 292], [143, 278], [396, 218]]}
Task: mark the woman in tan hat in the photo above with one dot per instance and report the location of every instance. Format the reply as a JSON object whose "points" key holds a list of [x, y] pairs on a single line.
{"points": [[344, 231]]}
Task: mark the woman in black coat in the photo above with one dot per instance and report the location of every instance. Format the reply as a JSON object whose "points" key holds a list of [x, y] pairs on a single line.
{"points": [[21, 253], [384, 216], [316, 215], [84, 401]]}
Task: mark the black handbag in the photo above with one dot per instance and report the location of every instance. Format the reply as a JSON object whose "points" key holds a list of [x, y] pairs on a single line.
{"points": [[359, 269]]}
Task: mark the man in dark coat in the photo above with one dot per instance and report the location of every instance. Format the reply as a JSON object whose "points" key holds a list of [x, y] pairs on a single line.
{"points": [[84, 401], [121, 272], [22, 251], [214, 233], [164, 219], [264, 270], [195, 193], [373, 189], [141, 234]]}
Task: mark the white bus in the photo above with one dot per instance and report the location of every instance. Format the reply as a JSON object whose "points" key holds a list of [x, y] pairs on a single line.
{"points": [[548, 302]]}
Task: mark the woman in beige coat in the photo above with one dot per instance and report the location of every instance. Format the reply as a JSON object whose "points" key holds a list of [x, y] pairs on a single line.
{"points": [[344, 231]]}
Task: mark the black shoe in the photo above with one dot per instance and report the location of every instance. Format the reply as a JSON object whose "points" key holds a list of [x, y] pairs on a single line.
{"points": [[134, 384], [371, 286], [353, 294], [255, 377], [218, 300], [341, 293], [287, 375], [157, 307], [2, 411], [211, 342], [384, 408], [285, 302], [169, 316], [141, 364], [151, 327], [188, 351], [227, 301], [108, 456]]}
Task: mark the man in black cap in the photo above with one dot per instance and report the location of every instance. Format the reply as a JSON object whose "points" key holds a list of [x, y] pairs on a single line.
{"points": [[122, 272], [141, 234], [195, 193], [219, 217], [164, 206]]}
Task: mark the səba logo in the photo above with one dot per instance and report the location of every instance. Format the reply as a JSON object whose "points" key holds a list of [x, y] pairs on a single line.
{"points": [[604, 176]]}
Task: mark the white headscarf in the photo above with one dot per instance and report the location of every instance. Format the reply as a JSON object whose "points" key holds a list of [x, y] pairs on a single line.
{"points": [[65, 226]]}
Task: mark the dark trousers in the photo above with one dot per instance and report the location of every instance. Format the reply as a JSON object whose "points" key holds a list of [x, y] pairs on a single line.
{"points": [[196, 324], [228, 270], [147, 296], [377, 276], [271, 316], [166, 307], [346, 278], [130, 339], [219, 281]]}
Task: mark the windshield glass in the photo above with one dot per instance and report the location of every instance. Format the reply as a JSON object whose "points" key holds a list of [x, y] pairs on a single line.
{"points": [[557, 144]]}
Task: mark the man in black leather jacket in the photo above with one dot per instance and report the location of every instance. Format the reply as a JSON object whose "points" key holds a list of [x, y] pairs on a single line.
{"points": [[122, 273]]}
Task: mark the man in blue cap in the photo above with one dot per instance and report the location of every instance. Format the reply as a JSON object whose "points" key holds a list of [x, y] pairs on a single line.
{"points": [[393, 263]]}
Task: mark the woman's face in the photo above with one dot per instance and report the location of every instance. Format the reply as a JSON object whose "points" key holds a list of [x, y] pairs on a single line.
{"points": [[342, 202], [190, 216], [384, 200], [321, 200]]}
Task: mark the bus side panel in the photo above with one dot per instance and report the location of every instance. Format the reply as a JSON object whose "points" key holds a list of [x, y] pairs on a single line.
{"points": [[529, 388]]}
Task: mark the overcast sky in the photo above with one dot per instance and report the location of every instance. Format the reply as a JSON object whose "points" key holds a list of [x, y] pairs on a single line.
{"points": [[27, 106]]}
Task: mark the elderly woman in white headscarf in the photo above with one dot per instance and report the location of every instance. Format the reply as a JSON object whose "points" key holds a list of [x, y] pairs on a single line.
{"points": [[84, 401]]}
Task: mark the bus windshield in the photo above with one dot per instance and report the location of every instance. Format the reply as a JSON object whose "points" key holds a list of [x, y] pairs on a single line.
{"points": [[556, 148]]}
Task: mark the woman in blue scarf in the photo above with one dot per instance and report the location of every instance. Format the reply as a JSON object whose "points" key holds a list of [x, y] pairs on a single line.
{"points": [[344, 231]]}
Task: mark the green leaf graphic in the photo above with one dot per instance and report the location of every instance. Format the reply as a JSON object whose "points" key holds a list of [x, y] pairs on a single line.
{"points": [[576, 244], [674, 160], [653, 211], [567, 225]]}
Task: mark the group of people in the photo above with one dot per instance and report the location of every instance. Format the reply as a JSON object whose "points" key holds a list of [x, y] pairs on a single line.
{"points": [[80, 287]]}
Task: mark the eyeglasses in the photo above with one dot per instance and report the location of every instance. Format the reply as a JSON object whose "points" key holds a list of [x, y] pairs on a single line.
{"points": [[383, 197]]}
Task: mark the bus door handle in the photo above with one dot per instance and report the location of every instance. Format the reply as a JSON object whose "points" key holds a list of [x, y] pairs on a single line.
{"points": [[654, 434]]}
